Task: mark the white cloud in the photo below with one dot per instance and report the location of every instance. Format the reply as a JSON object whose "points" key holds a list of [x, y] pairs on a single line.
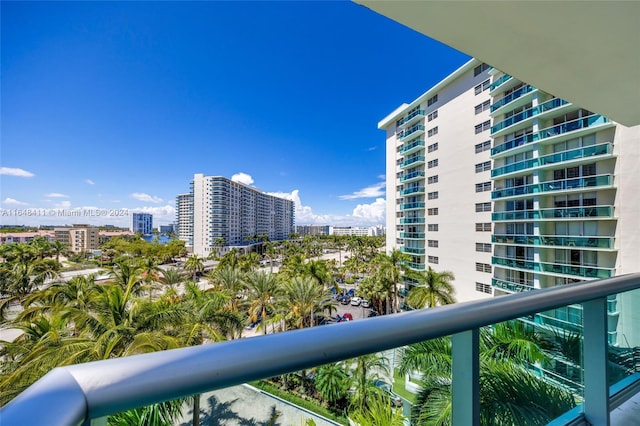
{"points": [[372, 213], [56, 195], [13, 202], [242, 178], [141, 196], [372, 191], [14, 171], [63, 204], [90, 182]]}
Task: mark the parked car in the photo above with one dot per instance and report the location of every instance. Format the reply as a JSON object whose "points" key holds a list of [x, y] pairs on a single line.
{"points": [[355, 301], [386, 387], [347, 316], [373, 313], [351, 292], [345, 300], [365, 303]]}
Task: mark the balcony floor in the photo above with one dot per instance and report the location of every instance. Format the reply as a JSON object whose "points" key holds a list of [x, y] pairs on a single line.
{"points": [[628, 413]]}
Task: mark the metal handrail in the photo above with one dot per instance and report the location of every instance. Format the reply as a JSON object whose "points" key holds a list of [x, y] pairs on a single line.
{"points": [[75, 394]]}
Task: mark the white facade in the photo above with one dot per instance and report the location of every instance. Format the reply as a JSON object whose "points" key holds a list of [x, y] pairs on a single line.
{"points": [[372, 231], [184, 218], [228, 213], [436, 157]]}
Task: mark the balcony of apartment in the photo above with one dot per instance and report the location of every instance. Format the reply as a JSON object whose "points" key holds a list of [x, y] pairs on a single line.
{"points": [[594, 242], [573, 129], [509, 286], [416, 130], [577, 156], [412, 250], [414, 160], [525, 118], [88, 393], [522, 95], [413, 190], [412, 235], [501, 83], [412, 220], [412, 146], [416, 266], [516, 263], [411, 176], [562, 213], [576, 184], [412, 206], [413, 117]]}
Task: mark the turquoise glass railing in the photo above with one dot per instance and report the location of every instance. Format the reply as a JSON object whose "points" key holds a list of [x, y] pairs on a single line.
{"points": [[499, 81], [412, 235], [516, 239], [413, 145], [512, 143], [557, 213], [411, 220], [531, 112], [412, 160], [410, 131], [416, 190], [577, 270], [412, 175], [556, 185], [554, 240], [512, 97], [416, 265], [412, 250], [409, 206], [410, 116], [516, 263], [559, 157], [510, 286]]}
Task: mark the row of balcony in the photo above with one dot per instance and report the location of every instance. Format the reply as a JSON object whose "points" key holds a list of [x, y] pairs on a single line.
{"points": [[554, 185], [558, 157], [412, 176], [510, 286], [408, 118], [413, 146], [557, 213], [556, 268], [412, 250], [409, 206], [411, 220], [410, 131], [499, 82], [416, 159], [414, 190], [553, 240], [549, 132], [413, 235], [512, 97], [531, 112]]}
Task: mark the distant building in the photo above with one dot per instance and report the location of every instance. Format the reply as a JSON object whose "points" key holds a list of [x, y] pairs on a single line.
{"points": [[105, 236], [78, 238], [142, 223], [303, 230], [25, 237], [165, 229], [349, 230], [221, 210]]}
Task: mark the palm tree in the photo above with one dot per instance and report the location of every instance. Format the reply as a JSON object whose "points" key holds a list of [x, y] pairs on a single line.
{"points": [[171, 277], [332, 382], [150, 273], [22, 277], [378, 412], [433, 289], [249, 262], [58, 248], [390, 269], [303, 298], [364, 374], [194, 265], [264, 291], [127, 274]]}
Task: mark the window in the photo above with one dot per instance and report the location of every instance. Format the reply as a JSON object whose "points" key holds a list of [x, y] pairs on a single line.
{"points": [[433, 131], [433, 115], [482, 107], [432, 195], [432, 243], [483, 247], [482, 87], [483, 167], [484, 146], [432, 147], [479, 69], [432, 179], [483, 207], [483, 187], [483, 126], [432, 100], [432, 211], [432, 259], [483, 288], [483, 227], [433, 163], [483, 267], [433, 227]]}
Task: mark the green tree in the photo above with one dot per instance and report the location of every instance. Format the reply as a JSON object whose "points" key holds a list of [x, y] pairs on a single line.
{"points": [[264, 292], [332, 382], [378, 411], [194, 265], [364, 373], [433, 289]]}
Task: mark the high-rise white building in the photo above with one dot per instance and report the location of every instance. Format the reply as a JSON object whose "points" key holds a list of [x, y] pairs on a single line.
{"points": [[184, 218], [228, 213], [142, 223], [438, 180], [513, 189]]}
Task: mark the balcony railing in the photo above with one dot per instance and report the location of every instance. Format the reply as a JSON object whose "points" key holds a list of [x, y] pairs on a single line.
{"points": [[531, 112], [414, 190], [411, 220], [509, 286], [411, 130], [553, 240], [529, 265], [558, 157], [412, 250], [412, 235], [412, 146], [414, 114], [557, 213], [512, 97], [412, 160], [499, 82], [409, 206], [79, 394], [554, 185], [411, 176]]}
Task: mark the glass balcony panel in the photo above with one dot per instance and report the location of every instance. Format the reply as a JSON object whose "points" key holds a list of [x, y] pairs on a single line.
{"points": [[413, 146], [516, 239], [570, 241], [411, 220], [499, 82], [556, 185], [577, 270], [412, 161], [512, 97], [573, 154], [412, 250], [577, 212], [412, 235], [410, 131], [516, 263], [409, 206], [416, 190], [512, 143], [516, 215], [410, 117], [412, 176], [509, 286], [532, 112]]}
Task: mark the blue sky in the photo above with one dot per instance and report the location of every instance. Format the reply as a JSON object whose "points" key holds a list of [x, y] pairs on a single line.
{"points": [[115, 105]]}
